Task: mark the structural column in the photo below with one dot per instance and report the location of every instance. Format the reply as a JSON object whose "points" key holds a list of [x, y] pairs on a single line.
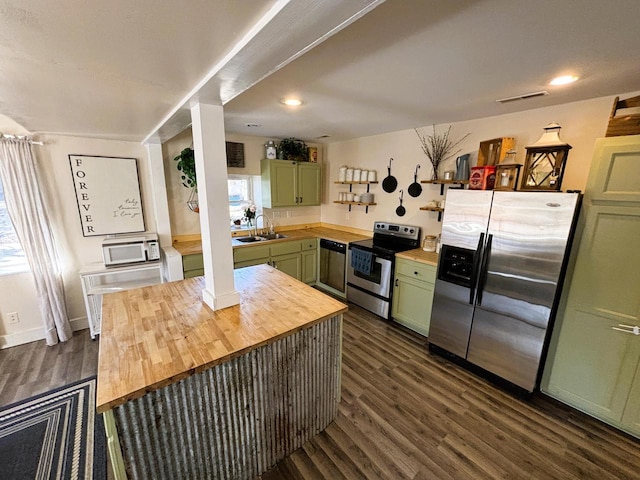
{"points": [[159, 186], [213, 199], [171, 257]]}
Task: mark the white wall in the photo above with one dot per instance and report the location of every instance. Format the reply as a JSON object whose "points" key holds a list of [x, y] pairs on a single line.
{"points": [[17, 292], [582, 122], [185, 222]]}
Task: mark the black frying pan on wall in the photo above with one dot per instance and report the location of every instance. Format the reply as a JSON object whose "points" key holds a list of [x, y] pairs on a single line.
{"points": [[389, 184], [400, 211], [415, 189]]}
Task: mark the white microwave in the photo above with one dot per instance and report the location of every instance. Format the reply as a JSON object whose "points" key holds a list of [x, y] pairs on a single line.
{"points": [[127, 249]]}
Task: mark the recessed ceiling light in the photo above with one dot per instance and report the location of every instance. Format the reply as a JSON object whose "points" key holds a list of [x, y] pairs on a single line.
{"points": [[291, 102], [563, 80]]}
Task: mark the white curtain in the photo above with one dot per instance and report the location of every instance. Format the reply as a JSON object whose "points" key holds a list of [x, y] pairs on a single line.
{"points": [[31, 222]]}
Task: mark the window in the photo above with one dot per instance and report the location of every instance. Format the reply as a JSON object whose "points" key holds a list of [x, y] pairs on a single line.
{"points": [[243, 191], [12, 258]]}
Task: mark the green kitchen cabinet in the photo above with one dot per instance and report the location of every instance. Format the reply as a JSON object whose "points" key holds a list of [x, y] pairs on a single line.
{"points": [[309, 184], [413, 294], [287, 183], [594, 355], [286, 256], [253, 255], [192, 265], [310, 261], [291, 264]]}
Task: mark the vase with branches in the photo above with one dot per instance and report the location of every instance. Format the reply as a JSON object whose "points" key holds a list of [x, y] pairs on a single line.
{"points": [[438, 147]]}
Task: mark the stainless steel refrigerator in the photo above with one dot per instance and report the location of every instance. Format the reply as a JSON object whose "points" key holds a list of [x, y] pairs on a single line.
{"points": [[500, 273]]}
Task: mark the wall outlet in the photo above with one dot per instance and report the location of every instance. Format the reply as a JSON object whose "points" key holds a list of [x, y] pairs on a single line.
{"points": [[13, 317]]}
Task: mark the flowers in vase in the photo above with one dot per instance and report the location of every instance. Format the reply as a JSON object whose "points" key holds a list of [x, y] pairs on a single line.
{"points": [[250, 213]]}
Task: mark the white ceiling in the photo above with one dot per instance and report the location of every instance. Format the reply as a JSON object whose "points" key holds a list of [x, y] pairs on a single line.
{"points": [[130, 69]]}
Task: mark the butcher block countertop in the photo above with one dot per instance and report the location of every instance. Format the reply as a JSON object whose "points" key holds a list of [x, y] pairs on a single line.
{"points": [[157, 335], [419, 255], [191, 247]]}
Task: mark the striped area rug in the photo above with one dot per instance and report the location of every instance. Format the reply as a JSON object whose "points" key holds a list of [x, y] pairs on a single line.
{"points": [[56, 435]]}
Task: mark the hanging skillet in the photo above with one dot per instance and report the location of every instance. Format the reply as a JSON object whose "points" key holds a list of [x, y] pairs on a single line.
{"points": [[400, 211], [390, 183], [415, 189]]}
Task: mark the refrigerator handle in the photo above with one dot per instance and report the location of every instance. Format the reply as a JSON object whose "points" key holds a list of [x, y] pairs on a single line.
{"points": [[474, 269], [483, 268]]}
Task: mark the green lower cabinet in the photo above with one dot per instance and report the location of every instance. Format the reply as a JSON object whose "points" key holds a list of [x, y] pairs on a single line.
{"points": [[192, 265], [413, 295], [251, 263], [290, 264], [309, 267], [297, 258], [309, 261]]}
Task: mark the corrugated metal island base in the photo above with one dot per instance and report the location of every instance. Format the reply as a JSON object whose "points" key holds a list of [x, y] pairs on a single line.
{"points": [[192, 393]]}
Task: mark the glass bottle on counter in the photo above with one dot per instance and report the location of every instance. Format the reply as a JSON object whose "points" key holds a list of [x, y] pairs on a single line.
{"points": [[429, 243]]}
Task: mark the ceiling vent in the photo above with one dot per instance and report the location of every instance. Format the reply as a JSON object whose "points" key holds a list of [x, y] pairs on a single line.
{"points": [[524, 96]]}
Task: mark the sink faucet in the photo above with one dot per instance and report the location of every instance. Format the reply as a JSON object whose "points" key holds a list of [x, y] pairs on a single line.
{"points": [[269, 223]]}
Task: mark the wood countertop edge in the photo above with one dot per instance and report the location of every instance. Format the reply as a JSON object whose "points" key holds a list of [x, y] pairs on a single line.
{"points": [[420, 256], [194, 246], [101, 408]]}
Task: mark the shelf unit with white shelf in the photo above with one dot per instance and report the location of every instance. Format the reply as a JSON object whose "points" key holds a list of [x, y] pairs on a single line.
{"points": [[98, 280], [350, 203]]}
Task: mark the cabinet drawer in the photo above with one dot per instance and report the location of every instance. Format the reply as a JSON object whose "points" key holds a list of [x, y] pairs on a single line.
{"points": [[246, 254], [417, 270], [192, 262], [198, 272], [284, 248], [310, 244]]}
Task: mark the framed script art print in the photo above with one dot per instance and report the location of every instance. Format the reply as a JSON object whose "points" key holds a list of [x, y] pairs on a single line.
{"points": [[108, 194]]}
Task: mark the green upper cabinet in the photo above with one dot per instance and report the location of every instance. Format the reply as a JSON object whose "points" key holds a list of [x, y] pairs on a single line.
{"points": [[308, 184], [289, 184]]}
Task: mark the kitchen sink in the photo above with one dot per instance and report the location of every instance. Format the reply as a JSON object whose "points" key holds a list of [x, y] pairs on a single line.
{"points": [[261, 238], [250, 239], [273, 236]]}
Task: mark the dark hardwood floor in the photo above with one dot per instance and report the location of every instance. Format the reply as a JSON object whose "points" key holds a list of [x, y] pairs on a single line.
{"points": [[404, 414], [34, 368], [408, 414]]}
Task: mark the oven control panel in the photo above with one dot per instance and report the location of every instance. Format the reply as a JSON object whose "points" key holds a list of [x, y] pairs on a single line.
{"points": [[397, 230]]}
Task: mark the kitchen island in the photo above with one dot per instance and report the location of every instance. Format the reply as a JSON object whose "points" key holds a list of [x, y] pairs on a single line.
{"points": [[192, 393]]}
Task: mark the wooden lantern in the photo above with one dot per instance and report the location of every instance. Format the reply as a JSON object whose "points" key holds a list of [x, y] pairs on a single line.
{"points": [[545, 161], [507, 175]]}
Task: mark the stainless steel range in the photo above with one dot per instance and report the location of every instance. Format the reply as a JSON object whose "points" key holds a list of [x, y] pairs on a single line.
{"points": [[370, 265]]}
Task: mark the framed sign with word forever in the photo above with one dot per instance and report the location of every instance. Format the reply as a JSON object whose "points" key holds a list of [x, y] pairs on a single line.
{"points": [[108, 194]]}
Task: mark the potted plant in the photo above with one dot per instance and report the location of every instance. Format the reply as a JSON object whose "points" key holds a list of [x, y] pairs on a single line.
{"points": [[187, 166], [293, 149]]}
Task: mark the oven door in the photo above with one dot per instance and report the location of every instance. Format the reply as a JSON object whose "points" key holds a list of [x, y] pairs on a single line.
{"points": [[377, 282]]}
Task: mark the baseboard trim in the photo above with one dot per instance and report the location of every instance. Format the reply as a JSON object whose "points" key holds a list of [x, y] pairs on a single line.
{"points": [[35, 334]]}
